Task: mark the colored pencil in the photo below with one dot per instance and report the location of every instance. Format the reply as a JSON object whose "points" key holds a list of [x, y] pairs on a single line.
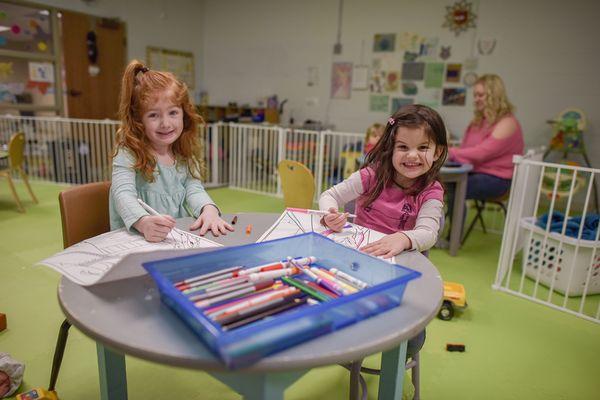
{"points": [[208, 287], [206, 276], [226, 319], [228, 289], [232, 295], [248, 301]]}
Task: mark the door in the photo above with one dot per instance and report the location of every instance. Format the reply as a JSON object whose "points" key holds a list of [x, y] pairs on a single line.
{"points": [[92, 93]]}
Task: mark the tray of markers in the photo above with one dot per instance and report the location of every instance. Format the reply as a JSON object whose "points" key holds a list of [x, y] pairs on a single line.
{"points": [[249, 301]]}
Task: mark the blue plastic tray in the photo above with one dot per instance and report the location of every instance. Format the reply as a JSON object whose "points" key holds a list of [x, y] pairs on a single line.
{"points": [[248, 344]]}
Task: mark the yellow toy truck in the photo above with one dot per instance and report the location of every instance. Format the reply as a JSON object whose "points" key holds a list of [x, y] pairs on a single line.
{"points": [[454, 297]]}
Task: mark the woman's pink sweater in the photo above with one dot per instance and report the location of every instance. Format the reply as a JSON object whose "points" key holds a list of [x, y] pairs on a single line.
{"points": [[487, 154]]}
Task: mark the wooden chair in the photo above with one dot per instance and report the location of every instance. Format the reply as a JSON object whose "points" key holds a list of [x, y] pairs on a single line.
{"points": [[297, 183], [16, 148], [84, 214]]}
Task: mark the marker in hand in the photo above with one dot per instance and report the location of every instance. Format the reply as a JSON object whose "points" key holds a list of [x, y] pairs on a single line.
{"points": [[146, 207]]}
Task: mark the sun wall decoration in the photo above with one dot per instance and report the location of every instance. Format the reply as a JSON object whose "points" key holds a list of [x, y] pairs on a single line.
{"points": [[460, 17]]}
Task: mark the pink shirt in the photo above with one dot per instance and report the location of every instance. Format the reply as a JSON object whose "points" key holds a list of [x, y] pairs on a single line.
{"points": [[393, 210], [487, 154]]}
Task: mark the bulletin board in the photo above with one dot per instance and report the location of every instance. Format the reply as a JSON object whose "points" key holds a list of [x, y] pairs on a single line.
{"points": [[180, 63]]}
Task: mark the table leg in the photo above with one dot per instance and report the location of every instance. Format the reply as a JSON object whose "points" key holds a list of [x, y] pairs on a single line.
{"points": [[354, 379], [113, 377], [257, 386], [392, 373], [458, 211]]}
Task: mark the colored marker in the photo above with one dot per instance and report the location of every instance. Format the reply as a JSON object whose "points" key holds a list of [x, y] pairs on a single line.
{"points": [[146, 207], [296, 262], [228, 289], [248, 230], [234, 294], [237, 305], [316, 212], [228, 318], [320, 289], [272, 311], [332, 284], [234, 220], [206, 276], [306, 289], [357, 282], [328, 275]]}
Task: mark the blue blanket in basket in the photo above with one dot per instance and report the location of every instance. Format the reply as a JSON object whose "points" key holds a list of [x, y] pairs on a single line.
{"points": [[590, 225]]}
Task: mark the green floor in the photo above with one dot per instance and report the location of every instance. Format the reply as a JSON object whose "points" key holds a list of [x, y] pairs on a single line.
{"points": [[515, 349]]}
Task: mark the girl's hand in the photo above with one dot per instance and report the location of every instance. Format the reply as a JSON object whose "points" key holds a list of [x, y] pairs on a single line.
{"points": [[388, 246], [334, 220], [209, 219], [155, 228]]}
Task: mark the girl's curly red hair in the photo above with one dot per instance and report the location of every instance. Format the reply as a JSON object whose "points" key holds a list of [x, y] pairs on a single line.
{"points": [[141, 86]]}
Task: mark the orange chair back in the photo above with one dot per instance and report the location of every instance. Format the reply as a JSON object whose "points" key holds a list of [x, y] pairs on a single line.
{"points": [[84, 212]]}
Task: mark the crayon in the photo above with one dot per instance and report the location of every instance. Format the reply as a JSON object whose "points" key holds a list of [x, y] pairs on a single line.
{"points": [[272, 311], [306, 289]]}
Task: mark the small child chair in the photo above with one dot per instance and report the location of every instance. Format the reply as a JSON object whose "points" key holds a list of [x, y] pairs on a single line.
{"points": [[16, 147], [297, 183]]}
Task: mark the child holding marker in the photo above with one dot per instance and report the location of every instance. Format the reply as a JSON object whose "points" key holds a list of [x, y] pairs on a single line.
{"points": [[397, 191], [157, 158]]}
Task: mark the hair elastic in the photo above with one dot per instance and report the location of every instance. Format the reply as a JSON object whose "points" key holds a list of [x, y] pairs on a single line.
{"points": [[143, 69], [391, 121]]}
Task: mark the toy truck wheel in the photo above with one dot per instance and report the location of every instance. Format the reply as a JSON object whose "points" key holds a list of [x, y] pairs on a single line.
{"points": [[446, 311]]}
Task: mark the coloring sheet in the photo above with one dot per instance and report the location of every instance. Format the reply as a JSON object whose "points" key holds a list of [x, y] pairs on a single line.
{"points": [[87, 262], [294, 223]]}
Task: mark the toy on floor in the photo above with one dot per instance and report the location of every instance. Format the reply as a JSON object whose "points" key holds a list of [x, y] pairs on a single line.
{"points": [[454, 297], [38, 394], [11, 375], [455, 347]]}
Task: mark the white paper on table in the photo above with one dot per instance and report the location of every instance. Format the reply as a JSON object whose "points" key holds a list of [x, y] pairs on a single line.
{"points": [[292, 223], [88, 262]]}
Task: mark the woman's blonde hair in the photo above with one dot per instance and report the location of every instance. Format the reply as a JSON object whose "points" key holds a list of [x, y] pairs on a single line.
{"points": [[141, 86], [496, 101]]}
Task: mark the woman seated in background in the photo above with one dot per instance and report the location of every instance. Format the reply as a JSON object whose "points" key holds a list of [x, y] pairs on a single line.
{"points": [[492, 138]]}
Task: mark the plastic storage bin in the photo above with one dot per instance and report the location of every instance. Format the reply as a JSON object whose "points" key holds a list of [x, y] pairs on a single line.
{"points": [[554, 257], [248, 344]]}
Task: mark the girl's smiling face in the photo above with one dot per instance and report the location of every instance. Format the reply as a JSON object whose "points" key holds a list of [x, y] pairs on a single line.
{"points": [[163, 122], [414, 155]]}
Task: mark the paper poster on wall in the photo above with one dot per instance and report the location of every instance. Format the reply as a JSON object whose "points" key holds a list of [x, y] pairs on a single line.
{"points": [[41, 72], [453, 72], [486, 45], [379, 103], [6, 69], [410, 41], [313, 77], [434, 75], [376, 81], [428, 47], [413, 71], [430, 97], [409, 88], [398, 102], [470, 63], [384, 42], [360, 77], [469, 79], [454, 96], [392, 81], [409, 56], [341, 80], [180, 63]]}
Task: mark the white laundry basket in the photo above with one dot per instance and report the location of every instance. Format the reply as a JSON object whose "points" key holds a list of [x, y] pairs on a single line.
{"points": [[555, 260]]}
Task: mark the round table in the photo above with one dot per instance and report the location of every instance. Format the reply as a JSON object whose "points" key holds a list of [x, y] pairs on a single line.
{"points": [[126, 317]]}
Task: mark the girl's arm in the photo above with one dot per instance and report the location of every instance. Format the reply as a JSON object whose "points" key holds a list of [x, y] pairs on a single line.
{"points": [[124, 190], [196, 196], [339, 194], [492, 147], [427, 228]]}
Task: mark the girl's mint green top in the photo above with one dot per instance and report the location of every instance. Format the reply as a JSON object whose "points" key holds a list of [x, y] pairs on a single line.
{"points": [[172, 191]]}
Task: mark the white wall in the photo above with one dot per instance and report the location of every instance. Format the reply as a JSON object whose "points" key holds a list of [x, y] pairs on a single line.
{"points": [[547, 52], [172, 24]]}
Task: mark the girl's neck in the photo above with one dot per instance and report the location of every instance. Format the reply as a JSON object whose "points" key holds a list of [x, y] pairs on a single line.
{"points": [[164, 156], [403, 182]]}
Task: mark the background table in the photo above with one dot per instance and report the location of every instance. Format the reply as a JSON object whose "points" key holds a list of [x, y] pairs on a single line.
{"points": [[127, 317], [457, 176]]}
